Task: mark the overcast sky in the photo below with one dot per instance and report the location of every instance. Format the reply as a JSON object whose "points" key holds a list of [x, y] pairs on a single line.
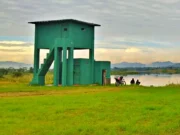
{"points": [[131, 30]]}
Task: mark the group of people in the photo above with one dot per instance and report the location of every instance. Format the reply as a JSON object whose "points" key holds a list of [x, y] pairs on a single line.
{"points": [[133, 82]]}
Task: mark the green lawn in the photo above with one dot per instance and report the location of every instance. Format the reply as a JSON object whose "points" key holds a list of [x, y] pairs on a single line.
{"points": [[89, 110]]}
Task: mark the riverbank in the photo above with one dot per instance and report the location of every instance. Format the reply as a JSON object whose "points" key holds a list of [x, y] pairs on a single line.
{"points": [[145, 79], [134, 71], [152, 79]]}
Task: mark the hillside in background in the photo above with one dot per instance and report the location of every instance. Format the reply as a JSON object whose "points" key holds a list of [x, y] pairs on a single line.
{"points": [[176, 65], [127, 64], [161, 64], [7, 64], [154, 64]]}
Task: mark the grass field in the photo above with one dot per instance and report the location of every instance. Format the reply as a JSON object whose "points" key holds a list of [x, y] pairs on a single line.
{"points": [[89, 110]]}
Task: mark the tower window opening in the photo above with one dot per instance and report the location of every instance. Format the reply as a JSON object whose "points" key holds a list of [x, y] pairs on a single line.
{"points": [[82, 29]]}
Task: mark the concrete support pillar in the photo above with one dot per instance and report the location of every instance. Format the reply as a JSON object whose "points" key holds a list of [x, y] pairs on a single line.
{"points": [[91, 57], [41, 80], [64, 67], [56, 66], [70, 66], [60, 65], [36, 60]]}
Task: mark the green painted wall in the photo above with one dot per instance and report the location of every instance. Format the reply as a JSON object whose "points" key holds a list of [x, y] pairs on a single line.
{"points": [[98, 67], [82, 35], [69, 34], [47, 34], [85, 71], [82, 71]]}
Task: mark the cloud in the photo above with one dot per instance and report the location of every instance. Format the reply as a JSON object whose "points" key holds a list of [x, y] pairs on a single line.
{"points": [[62, 1], [19, 51], [125, 43], [168, 1], [132, 50], [127, 27], [118, 55], [15, 43], [12, 42], [146, 19], [11, 50]]}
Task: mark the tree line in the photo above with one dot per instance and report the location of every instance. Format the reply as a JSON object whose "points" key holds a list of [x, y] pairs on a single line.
{"points": [[145, 70], [15, 72]]}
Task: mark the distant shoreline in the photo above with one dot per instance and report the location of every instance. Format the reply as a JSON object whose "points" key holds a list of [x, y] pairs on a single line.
{"points": [[135, 71]]}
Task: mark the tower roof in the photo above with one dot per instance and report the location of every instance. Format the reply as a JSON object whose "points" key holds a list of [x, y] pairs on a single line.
{"points": [[64, 20]]}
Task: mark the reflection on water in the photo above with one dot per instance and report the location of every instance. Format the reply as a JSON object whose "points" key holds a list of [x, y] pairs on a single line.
{"points": [[152, 79]]}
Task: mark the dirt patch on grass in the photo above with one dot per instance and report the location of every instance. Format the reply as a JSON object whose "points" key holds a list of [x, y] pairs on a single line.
{"points": [[59, 92]]}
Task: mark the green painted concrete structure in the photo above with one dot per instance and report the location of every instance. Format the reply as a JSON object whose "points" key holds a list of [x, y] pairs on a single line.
{"points": [[61, 38]]}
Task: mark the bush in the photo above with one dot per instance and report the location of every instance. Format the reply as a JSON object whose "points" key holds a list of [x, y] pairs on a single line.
{"points": [[3, 71], [17, 74], [31, 70], [1, 75]]}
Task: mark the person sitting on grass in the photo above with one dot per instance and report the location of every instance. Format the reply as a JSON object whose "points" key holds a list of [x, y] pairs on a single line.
{"points": [[132, 81], [138, 82]]}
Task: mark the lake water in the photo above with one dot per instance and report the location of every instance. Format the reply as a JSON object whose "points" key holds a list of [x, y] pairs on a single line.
{"points": [[152, 79]]}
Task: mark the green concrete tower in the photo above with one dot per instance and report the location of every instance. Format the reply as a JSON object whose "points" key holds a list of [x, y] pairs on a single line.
{"points": [[62, 37]]}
